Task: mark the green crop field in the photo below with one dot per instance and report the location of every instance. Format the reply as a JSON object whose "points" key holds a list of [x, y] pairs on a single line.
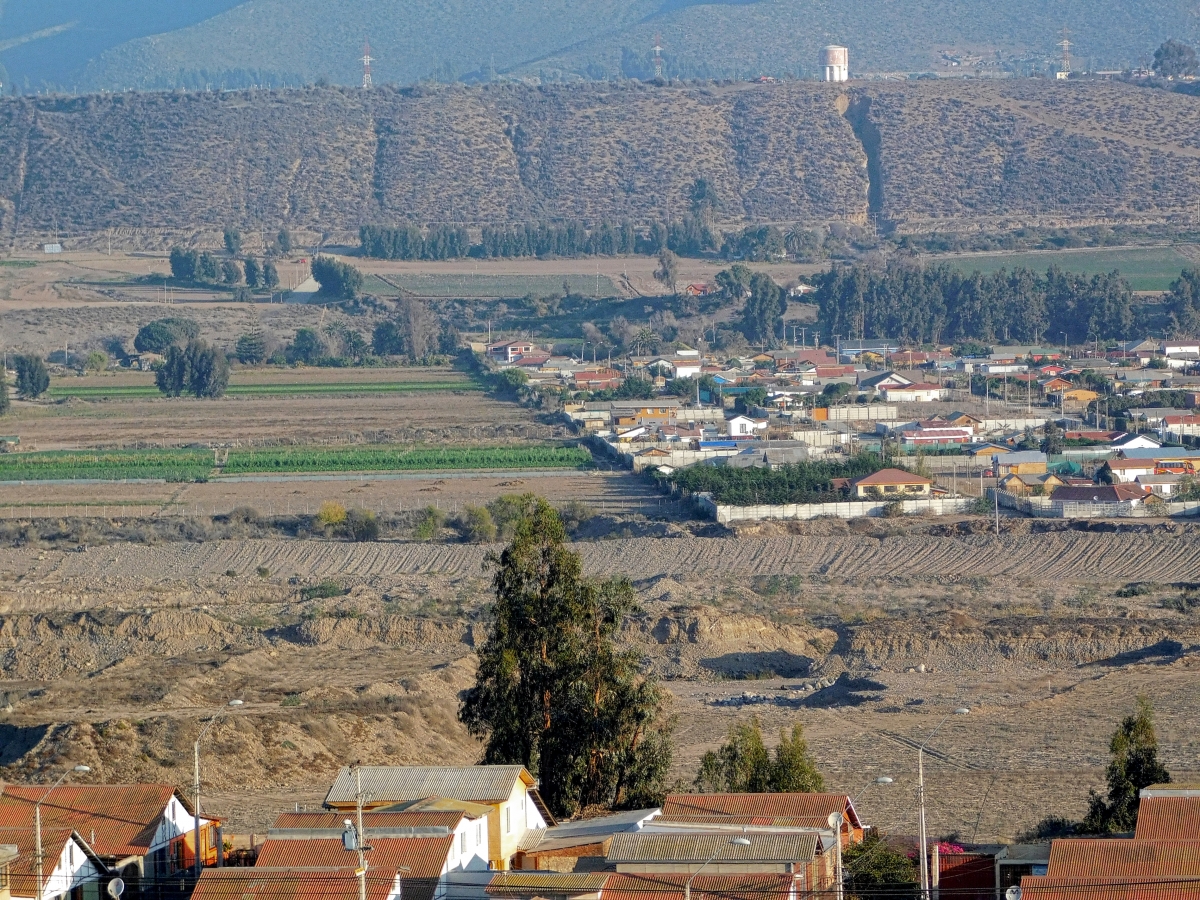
{"points": [[1146, 268], [383, 458], [64, 389], [109, 465], [507, 287], [195, 464], [17, 263]]}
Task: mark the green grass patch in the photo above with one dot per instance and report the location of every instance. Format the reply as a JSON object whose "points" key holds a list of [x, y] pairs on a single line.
{"points": [[1146, 268], [111, 465], [17, 264], [386, 458], [62, 390]]}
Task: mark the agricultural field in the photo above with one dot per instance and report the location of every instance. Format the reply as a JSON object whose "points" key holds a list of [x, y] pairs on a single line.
{"points": [[503, 286], [194, 465], [1146, 269]]}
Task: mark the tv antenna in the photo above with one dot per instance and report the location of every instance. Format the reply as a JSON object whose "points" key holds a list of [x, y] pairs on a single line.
{"points": [[1065, 43], [367, 59], [658, 60]]}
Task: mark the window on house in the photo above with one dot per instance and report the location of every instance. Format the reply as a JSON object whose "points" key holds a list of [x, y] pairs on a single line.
{"points": [[507, 819], [462, 843], [478, 833]]}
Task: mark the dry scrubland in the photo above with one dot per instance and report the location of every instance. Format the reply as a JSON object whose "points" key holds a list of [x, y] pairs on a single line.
{"points": [[111, 656], [954, 153]]}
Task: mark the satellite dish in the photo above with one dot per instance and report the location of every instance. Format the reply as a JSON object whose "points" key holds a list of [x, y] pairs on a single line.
{"points": [[1013, 893], [835, 820], [115, 888]]}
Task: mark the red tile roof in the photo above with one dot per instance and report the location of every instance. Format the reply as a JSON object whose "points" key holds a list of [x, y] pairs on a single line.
{"points": [[1040, 887], [1121, 857], [1100, 493], [1168, 818], [766, 807], [123, 817], [711, 887], [426, 857]]}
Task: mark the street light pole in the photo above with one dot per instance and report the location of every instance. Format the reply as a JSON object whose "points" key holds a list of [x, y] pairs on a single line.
{"points": [[921, 832], [37, 825], [196, 780], [737, 841]]}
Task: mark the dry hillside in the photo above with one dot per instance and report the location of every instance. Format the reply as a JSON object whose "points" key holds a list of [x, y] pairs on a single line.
{"points": [[949, 154]]}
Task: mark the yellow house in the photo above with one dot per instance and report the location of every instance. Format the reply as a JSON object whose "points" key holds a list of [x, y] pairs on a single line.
{"points": [[510, 791], [892, 483], [1080, 396]]}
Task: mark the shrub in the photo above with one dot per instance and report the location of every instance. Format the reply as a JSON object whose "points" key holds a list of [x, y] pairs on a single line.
{"points": [[32, 377], [574, 514], [324, 590], [95, 362], [361, 525], [429, 522], [331, 513], [263, 572], [475, 525]]}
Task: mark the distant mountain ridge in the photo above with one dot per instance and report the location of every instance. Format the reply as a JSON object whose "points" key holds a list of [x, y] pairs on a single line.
{"points": [[296, 42]]}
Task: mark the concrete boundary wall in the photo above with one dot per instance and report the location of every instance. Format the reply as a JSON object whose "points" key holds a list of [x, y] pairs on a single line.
{"points": [[854, 510]]}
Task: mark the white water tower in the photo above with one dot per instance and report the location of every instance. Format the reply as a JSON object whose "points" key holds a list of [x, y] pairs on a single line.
{"points": [[835, 61]]}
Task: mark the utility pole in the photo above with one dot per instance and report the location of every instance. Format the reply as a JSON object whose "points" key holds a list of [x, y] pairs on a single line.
{"points": [[361, 842], [996, 490]]}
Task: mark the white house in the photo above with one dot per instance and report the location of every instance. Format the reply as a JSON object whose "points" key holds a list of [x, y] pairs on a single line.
{"points": [[69, 866], [744, 426], [509, 790], [678, 367], [1180, 348], [510, 351], [915, 393]]}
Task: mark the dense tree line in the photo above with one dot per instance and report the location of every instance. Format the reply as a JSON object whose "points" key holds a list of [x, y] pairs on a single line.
{"points": [[337, 278], [1183, 303], [204, 267], [938, 304], [161, 334], [806, 482], [554, 239], [197, 369], [410, 242]]}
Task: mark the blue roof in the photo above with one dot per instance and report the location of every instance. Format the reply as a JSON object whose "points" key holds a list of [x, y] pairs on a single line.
{"points": [[1161, 453]]}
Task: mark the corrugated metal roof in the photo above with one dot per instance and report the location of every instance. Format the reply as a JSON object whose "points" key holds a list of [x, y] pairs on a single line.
{"points": [[123, 817], [524, 884], [1121, 857], [1041, 887], [710, 887], [439, 804], [392, 784], [697, 807], [1168, 818], [425, 857], [642, 847], [257, 883], [380, 820]]}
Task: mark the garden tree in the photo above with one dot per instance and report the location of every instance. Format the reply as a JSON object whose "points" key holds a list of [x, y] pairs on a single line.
{"points": [[32, 378], [197, 369], [387, 339], [762, 316], [253, 272], [420, 327], [306, 347], [207, 268], [183, 263], [251, 349], [875, 871], [5, 402], [553, 690], [755, 396], [668, 269], [690, 236], [95, 362], [157, 336], [1133, 765], [231, 272], [1174, 58], [743, 764], [337, 278], [635, 388], [233, 241], [755, 243], [734, 283], [1183, 303], [270, 276], [1052, 440], [284, 241]]}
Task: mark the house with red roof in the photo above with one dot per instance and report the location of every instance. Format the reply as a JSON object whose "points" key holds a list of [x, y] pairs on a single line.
{"points": [[68, 863], [140, 831]]}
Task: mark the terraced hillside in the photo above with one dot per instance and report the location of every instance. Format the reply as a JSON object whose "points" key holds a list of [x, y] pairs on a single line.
{"points": [[943, 155]]}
